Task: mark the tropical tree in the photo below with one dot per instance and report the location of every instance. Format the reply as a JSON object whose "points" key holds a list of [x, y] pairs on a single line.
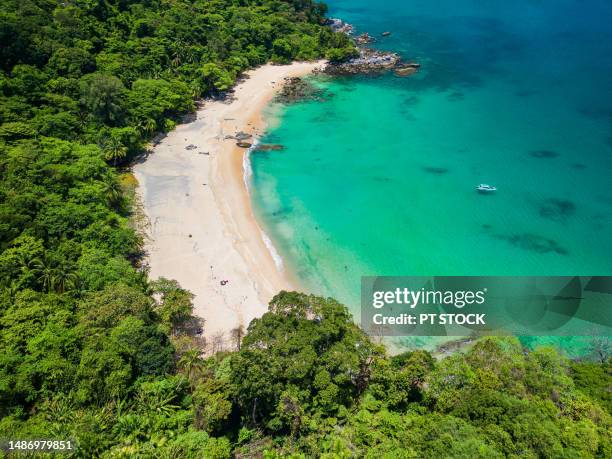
{"points": [[64, 278], [45, 273], [215, 78], [305, 348], [102, 95], [147, 126], [113, 191], [175, 304], [114, 150], [192, 365]]}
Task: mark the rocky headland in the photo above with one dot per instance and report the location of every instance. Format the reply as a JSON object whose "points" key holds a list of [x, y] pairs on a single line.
{"points": [[369, 60]]}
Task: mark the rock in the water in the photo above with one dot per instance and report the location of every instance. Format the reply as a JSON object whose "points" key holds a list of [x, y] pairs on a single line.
{"points": [[338, 25], [436, 170], [405, 71], [543, 154], [368, 61], [386, 34], [297, 89], [364, 39], [269, 147], [243, 144]]}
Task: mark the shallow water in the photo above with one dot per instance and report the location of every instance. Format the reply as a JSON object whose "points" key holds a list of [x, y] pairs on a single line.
{"points": [[379, 178]]}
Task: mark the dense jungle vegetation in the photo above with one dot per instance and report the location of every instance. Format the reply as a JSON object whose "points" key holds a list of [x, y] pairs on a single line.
{"points": [[94, 351]]}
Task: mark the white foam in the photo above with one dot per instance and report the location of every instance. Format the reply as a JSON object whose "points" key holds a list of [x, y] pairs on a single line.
{"points": [[278, 261], [247, 169], [247, 173]]}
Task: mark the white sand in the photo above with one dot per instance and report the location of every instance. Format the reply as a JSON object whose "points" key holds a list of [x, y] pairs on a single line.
{"points": [[201, 225]]}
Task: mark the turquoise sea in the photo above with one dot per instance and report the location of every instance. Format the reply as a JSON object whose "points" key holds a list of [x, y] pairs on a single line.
{"points": [[378, 179]]}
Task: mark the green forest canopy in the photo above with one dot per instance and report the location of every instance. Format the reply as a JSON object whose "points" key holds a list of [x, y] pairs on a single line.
{"points": [[94, 351]]}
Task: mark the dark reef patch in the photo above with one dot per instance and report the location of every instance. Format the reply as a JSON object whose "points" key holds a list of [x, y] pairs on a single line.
{"points": [[524, 93], [282, 211], [596, 113], [410, 100], [557, 209], [407, 114], [455, 96], [578, 166], [543, 154], [326, 116], [534, 243], [436, 170], [269, 147], [298, 89]]}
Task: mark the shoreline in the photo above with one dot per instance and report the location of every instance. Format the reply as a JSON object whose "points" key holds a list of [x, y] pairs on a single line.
{"points": [[201, 227]]}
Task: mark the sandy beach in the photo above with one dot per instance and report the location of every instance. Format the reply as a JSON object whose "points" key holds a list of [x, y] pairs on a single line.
{"points": [[201, 229]]}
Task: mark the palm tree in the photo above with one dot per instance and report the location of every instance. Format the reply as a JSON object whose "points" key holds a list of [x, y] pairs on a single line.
{"points": [[114, 150], [177, 52], [157, 401], [44, 273], [197, 88], [60, 278], [192, 364], [64, 278], [190, 54], [112, 191], [102, 95], [25, 267], [147, 126]]}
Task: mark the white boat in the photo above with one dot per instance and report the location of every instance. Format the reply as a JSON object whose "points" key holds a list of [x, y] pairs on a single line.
{"points": [[484, 188]]}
